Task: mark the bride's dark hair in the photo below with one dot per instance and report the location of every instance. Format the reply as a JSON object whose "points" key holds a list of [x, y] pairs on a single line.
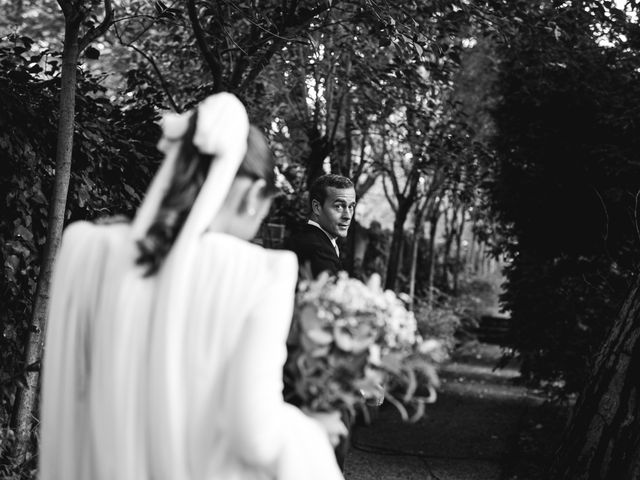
{"points": [[191, 169]]}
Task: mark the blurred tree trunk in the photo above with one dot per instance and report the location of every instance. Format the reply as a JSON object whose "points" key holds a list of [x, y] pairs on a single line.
{"points": [[479, 258], [603, 438], [319, 148], [362, 184], [418, 225], [397, 241], [403, 196], [25, 406], [449, 224], [431, 254], [458, 257], [471, 256], [453, 231]]}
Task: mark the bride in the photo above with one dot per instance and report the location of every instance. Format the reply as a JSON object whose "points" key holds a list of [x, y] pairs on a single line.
{"points": [[166, 337]]}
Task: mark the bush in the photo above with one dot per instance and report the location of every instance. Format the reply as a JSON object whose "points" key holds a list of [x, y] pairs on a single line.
{"points": [[440, 321], [565, 187]]}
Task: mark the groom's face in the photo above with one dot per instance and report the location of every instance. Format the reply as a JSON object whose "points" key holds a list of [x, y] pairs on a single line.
{"points": [[337, 211]]}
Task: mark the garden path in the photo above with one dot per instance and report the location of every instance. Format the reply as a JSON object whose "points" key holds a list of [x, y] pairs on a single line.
{"points": [[470, 433]]}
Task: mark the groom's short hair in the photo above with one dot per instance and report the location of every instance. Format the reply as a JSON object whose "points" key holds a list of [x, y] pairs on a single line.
{"points": [[318, 190]]}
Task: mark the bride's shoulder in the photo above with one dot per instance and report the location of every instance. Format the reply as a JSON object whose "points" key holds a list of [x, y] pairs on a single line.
{"points": [[236, 249], [83, 230], [281, 260], [80, 232], [89, 237]]}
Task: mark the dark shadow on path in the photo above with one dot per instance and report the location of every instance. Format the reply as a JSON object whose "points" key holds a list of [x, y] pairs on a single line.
{"points": [[468, 434]]}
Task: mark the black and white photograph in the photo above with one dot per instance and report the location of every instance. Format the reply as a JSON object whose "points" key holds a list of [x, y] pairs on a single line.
{"points": [[320, 240]]}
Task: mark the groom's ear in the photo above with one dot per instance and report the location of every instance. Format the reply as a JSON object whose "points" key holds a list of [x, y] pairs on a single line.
{"points": [[315, 207]]}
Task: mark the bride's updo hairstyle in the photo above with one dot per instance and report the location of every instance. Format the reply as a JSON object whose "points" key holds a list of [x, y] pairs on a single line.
{"points": [[191, 169]]}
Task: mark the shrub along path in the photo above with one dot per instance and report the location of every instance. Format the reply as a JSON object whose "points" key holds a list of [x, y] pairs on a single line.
{"points": [[470, 433]]}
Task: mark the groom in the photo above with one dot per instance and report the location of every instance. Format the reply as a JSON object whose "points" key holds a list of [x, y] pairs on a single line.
{"points": [[332, 201]]}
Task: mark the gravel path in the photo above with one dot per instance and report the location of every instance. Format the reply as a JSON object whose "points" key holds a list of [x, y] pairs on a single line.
{"points": [[470, 433]]}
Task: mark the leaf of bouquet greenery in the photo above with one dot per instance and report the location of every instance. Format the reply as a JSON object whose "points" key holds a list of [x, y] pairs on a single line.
{"points": [[399, 407], [424, 368], [392, 362], [356, 339], [412, 384], [419, 413], [319, 337]]}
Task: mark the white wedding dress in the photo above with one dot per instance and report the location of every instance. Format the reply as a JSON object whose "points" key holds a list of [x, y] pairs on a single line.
{"points": [[176, 376]]}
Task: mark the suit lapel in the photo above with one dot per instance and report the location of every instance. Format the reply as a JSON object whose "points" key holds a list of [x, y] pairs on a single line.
{"points": [[324, 238]]}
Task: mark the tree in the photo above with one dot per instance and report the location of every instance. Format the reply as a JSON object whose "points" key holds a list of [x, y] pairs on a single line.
{"points": [[603, 439], [403, 168], [75, 13], [427, 209], [564, 185]]}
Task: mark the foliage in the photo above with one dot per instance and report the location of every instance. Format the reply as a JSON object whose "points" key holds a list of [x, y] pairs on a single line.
{"points": [[11, 468], [440, 320], [565, 188], [454, 318], [111, 171]]}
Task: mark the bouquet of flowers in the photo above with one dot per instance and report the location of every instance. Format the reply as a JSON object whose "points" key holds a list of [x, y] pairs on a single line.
{"points": [[352, 343]]}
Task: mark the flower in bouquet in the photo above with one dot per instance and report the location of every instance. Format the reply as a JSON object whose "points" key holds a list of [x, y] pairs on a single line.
{"points": [[352, 342]]}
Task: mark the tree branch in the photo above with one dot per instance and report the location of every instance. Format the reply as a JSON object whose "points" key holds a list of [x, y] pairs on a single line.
{"points": [[363, 146], [363, 187], [163, 82], [100, 30], [212, 60], [338, 114], [261, 63], [391, 173], [391, 201], [154, 65], [154, 19], [290, 26]]}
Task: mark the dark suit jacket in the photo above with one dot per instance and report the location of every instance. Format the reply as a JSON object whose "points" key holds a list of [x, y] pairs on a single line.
{"points": [[312, 245]]}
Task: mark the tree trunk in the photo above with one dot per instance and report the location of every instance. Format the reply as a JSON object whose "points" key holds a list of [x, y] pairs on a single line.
{"points": [[479, 260], [450, 228], [358, 241], [395, 251], [602, 441], [458, 257], [319, 149], [25, 406], [471, 256], [346, 159], [415, 247], [431, 268]]}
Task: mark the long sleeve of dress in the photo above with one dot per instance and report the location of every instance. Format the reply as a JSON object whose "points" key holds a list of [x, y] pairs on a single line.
{"points": [[257, 369], [266, 429]]}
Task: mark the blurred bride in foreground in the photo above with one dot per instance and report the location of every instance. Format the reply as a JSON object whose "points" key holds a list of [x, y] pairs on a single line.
{"points": [[166, 336]]}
